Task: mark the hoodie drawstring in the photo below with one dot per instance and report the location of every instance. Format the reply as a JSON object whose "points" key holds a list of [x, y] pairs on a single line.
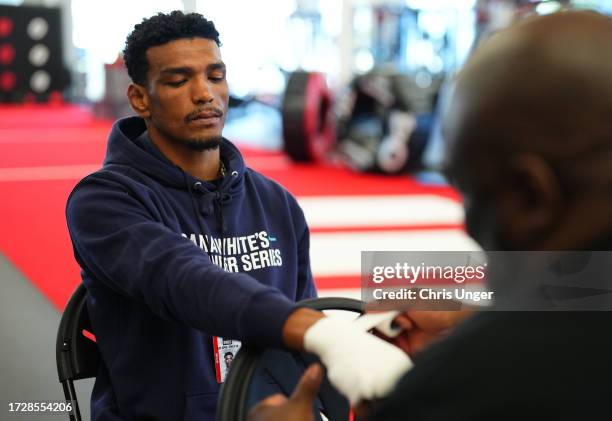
{"points": [[196, 214], [218, 201], [220, 198]]}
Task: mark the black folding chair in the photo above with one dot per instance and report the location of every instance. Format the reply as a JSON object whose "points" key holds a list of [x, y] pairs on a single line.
{"points": [[76, 352], [254, 368]]}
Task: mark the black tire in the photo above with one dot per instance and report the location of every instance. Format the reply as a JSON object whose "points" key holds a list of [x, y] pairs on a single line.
{"points": [[308, 122]]}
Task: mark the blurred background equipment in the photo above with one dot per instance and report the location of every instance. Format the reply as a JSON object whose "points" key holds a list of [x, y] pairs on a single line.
{"points": [[308, 120], [374, 125], [378, 127], [114, 104], [31, 54]]}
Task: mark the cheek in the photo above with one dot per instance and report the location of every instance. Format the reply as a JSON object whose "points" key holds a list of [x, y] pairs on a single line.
{"points": [[168, 110], [168, 102], [223, 95]]}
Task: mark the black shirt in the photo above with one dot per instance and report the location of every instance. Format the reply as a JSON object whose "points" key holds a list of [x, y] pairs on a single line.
{"points": [[511, 366]]}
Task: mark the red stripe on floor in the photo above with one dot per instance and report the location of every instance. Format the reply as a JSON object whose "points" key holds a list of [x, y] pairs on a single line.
{"points": [[384, 228], [338, 282]]}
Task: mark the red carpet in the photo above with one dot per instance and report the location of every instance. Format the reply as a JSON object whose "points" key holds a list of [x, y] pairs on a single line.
{"points": [[44, 151]]}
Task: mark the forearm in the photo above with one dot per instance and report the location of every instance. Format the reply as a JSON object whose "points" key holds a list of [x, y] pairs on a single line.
{"points": [[296, 325]]}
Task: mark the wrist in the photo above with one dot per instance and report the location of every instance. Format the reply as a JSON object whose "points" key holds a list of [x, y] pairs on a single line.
{"points": [[296, 325]]}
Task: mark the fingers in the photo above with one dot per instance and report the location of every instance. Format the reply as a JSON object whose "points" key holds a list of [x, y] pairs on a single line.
{"points": [[403, 322], [308, 386], [274, 400], [381, 321], [270, 409], [298, 407]]}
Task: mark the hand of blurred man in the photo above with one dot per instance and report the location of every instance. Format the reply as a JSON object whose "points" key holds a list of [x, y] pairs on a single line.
{"points": [[420, 328], [422, 322], [299, 407]]}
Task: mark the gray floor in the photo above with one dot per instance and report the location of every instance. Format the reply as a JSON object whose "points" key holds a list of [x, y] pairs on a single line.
{"points": [[28, 326]]}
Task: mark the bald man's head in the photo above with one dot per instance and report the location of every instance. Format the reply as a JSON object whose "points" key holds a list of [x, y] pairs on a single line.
{"points": [[530, 132]]}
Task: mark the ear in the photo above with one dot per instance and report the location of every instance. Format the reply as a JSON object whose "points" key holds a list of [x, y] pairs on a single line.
{"points": [[139, 100], [533, 202]]}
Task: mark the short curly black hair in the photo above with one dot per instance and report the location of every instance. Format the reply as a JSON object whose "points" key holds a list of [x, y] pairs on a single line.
{"points": [[158, 30]]}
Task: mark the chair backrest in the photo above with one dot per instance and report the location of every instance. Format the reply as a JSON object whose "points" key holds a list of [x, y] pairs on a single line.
{"points": [[76, 352], [252, 366]]}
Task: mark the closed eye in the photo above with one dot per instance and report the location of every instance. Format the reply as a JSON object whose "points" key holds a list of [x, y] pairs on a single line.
{"points": [[176, 83], [217, 78]]}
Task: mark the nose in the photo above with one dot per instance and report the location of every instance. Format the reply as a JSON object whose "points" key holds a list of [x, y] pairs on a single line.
{"points": [[201, 92]]}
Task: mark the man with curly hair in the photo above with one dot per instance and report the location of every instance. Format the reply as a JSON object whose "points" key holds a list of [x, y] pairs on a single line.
{"points": [[181, 245]]}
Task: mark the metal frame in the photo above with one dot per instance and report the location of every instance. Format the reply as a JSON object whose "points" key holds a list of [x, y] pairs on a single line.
{"points": [[77, 356]]}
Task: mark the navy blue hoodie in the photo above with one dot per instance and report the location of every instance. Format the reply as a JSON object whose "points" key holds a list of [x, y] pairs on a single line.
{"points": [[150, 240]]}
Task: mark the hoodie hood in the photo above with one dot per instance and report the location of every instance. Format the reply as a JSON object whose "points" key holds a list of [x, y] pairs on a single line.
{"points": [[124, 149]]}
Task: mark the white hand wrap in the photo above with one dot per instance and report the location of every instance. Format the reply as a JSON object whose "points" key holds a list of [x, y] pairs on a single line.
{"points": [[379, 321], [359, 365]]}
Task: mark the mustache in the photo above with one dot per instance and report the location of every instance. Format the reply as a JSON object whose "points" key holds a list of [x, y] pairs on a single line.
{"points": [[216, 112]]}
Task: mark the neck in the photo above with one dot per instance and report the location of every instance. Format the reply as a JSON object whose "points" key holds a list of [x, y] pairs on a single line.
{"points": [[204, 165]]}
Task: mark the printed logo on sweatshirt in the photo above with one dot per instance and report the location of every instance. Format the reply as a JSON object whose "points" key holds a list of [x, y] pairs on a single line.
{"points": [[239, 254]]}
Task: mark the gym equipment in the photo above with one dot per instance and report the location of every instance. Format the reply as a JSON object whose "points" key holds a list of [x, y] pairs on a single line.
{"points": [[255, 374], [308, 121], [114, 104], [31, 54], [374, 125]]}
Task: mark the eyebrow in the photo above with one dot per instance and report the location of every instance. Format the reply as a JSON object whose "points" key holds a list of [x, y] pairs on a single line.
{"points": [[188, 70], [216, 66]]}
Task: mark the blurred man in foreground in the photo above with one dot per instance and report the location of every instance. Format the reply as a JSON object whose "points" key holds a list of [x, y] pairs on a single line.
{"points": [[530, 138]]}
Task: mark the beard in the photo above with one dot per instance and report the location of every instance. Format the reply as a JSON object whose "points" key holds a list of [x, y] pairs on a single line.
{"points": [[196, 145], [200, 145]]}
